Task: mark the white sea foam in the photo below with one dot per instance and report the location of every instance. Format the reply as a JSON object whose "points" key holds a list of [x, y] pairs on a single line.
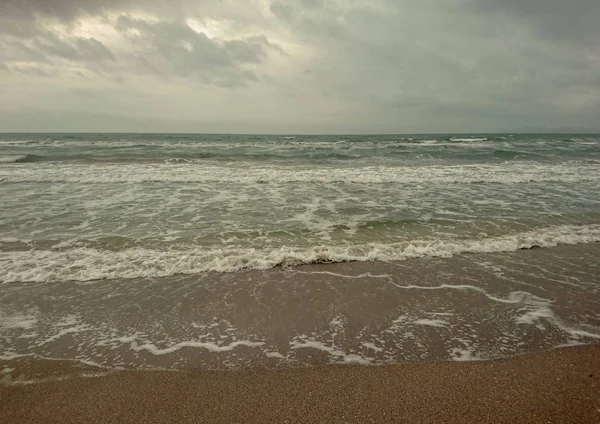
{"points": [[69, 324], [465, 352], [537, 312], [337, 355], [532, 316], [11, 158], [468, 139], [271, 354], [85, 264], [463, 355], [8, 380], [372, 346], [210, 346], [517, 172], [17, 321], [432, 322]]}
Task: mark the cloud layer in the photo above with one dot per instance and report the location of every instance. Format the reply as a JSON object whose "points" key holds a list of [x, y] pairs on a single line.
{"points": [[299, 66]]}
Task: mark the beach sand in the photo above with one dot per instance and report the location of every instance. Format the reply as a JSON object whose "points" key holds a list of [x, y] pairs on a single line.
{"points": [[559, 386]]}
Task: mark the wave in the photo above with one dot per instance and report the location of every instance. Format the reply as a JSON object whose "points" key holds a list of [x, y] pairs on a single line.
{"points": [[467, 139], [106, 157], [85, 264], [242, 173], [512, 154], [20, 158], [117, 155], [12, 158]]}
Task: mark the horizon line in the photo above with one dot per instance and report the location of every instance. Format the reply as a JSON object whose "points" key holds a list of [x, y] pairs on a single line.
{"points": [[596, 132]]}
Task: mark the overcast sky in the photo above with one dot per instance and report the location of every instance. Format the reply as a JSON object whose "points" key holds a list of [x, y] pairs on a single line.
{"points": [[301, 66]]}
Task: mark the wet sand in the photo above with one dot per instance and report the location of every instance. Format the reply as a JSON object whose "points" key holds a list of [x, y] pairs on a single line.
{"points": [[560, 386], [476, 306]]}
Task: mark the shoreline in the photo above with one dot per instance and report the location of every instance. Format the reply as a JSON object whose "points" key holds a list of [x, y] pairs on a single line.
{"points": [[482, 306], [561, 385]]}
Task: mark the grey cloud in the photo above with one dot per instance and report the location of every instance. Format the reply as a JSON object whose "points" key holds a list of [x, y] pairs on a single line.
{"points": [[164, 48], [251, 49], [568, 21], [61, 9], [44, 47], [454, 58], [172, 47], [50, 44], [20, 28], [26, 70], [348, 65], [92, 49], [313, 18], [312, 3], [68, 11], [283, 10], [16, 50]]}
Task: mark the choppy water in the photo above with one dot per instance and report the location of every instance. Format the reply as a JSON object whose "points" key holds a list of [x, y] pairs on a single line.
{"points": [[91, 206], [163, 250]]}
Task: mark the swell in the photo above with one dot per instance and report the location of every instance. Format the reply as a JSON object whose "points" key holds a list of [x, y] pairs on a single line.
{"points": [[305, 149], [402, 152], [85, 264], [388, 154], [125, 155]]}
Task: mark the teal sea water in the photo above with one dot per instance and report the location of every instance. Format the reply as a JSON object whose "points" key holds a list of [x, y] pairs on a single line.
{"points": [[79, 207]]}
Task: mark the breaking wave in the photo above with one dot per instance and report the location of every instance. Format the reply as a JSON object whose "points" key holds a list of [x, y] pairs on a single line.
{"points": [[20, 158], [85, 264]]}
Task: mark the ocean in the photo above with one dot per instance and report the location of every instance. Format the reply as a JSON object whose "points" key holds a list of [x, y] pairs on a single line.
{"points": [[229, 251]]}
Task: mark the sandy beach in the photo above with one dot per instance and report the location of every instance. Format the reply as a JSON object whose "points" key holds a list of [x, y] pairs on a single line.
{"points": [[560, 386]]}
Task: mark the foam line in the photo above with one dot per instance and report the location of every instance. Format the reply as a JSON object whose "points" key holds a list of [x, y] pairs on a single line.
{"points": [[85, 264], [211, 347]]}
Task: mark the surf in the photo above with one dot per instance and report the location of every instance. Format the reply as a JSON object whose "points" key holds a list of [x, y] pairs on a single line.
{"points": [[88, 264]]}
